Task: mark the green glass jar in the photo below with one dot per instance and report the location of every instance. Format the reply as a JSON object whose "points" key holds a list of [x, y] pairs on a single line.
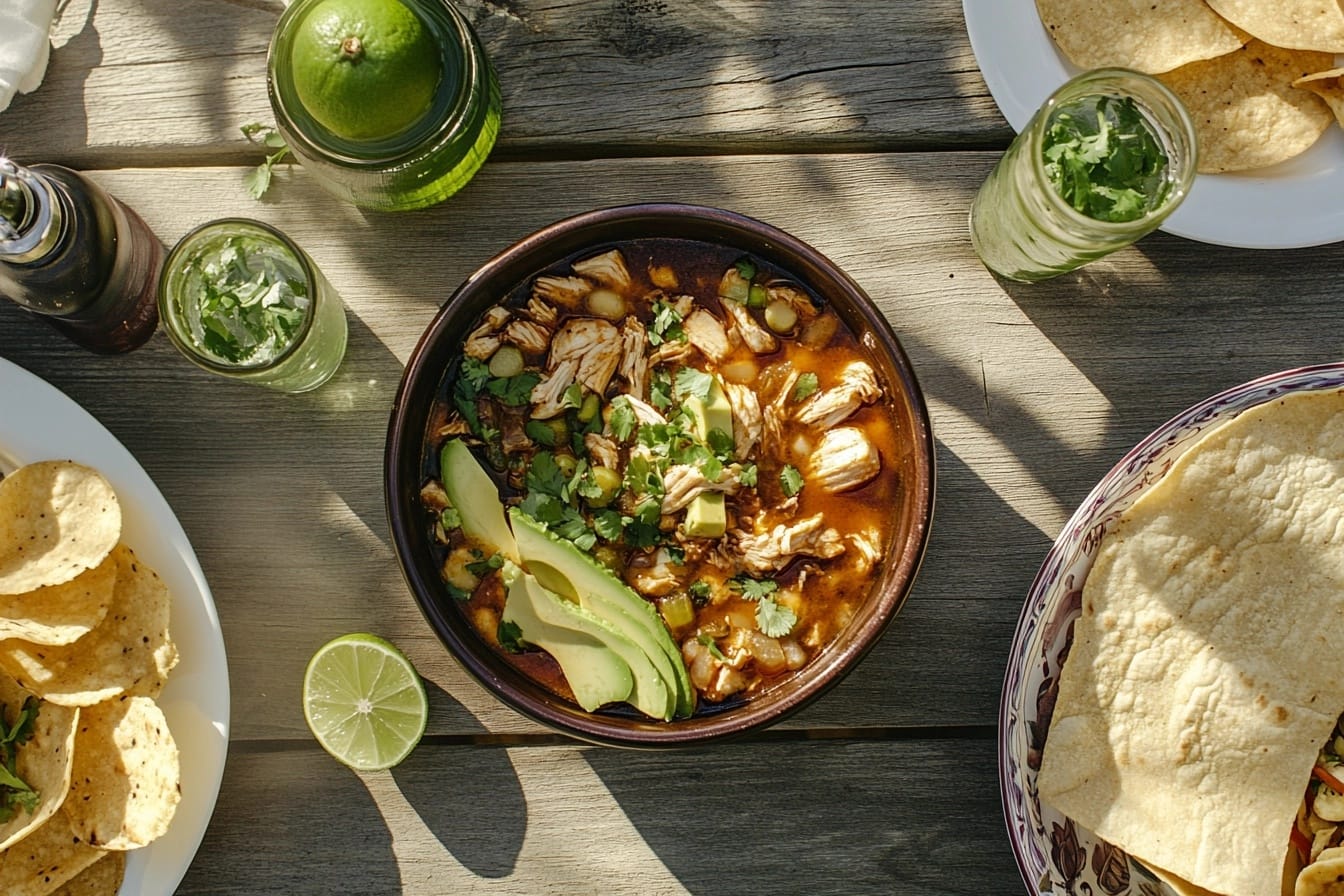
{"points": [[421, 166], [240, 299], [1021, 225]]}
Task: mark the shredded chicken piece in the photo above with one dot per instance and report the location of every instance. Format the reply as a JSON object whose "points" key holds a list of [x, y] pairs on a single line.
{"points": [[844, 459], [433, 496], [683, 305], [655, 578], [595, 344], [705, 332], [683, 482], [747, 421], [608, 269], [776, 416], [454, 426], [769, 552], [603, 451], [484, 340], [670, 352], [645, 413], [548, 396], [757, 338], [542, 313], [830, 407], [528, 335], [798, 300], [567, 292], [634, 365], [867, 551]]}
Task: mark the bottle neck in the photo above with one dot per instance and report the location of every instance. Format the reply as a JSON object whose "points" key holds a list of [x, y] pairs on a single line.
{"points": [[30, 214]]}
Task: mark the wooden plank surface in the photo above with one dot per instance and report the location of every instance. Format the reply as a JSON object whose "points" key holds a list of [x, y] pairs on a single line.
{"points": [[838, 817], [157, 83]]}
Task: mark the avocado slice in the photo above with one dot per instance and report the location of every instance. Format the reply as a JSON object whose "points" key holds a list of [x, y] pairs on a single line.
{"points": [[561, 567], [476, 498], [601, 665], [707, 514]]}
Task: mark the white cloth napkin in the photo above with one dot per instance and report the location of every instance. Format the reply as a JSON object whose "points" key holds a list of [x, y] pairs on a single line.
{"points": [[25, 45]]}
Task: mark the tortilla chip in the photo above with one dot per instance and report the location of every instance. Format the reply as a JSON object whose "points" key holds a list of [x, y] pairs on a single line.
{"points": [[1295, 24], [1329, 86], [102, 878], [127, 778], [52, 855], [43, 762], [1246, 112], [59, 614], [1200, 684], [57, 519], [1138, 34], [129, 652]]}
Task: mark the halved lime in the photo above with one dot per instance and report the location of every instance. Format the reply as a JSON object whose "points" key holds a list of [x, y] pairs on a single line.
{"points": [[364, 701]]}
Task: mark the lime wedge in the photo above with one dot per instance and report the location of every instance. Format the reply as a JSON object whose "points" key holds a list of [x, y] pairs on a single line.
{"points": [[364, 701]]}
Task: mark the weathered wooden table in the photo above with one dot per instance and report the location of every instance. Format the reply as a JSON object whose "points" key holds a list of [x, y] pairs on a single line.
{"points": [[863, 128]]}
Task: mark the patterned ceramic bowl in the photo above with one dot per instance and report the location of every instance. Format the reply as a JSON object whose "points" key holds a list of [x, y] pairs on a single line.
{"points": [[1055, 855]]}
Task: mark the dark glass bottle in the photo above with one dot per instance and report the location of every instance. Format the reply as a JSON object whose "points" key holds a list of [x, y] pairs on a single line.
{"points": [[74, 254]]}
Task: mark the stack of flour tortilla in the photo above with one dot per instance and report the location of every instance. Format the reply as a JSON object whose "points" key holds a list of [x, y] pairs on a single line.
{"points": [[1205, 670]]}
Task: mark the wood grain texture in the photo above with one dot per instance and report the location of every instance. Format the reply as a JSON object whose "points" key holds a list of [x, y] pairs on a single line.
{"points": [[150, 83], [797, 817]]}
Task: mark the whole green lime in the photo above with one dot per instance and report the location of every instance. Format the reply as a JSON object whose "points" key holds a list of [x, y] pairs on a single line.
{"points": [[365, 69]]}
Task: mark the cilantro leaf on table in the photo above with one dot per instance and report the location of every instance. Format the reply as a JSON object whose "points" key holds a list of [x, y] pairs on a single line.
{"points": [[258, 180]]}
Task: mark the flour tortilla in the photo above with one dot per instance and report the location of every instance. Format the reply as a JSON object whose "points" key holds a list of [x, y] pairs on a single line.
{"points": [[1138, 34], [1203, 675]]}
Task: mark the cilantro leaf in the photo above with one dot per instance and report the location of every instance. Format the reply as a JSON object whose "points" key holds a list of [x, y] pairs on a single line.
{"points": [[1103, 158], [806, 385], [790, 480], [660, 389], [514, 391], [774, 619], [622, 420], [747, 475], [666, 325], [753, 589], [699, 591], [691, 382], [540, 432], [258, 180], [510, 637], [609, 525], [545, 476], [714, 651]]}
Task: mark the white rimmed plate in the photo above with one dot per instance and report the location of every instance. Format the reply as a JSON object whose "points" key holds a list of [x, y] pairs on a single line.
{"points": [[39, 422], [1293, 204], [1053, 854]]}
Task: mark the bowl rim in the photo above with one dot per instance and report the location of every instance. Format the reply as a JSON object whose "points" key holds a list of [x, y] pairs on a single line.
{"points": [[421, 382]]}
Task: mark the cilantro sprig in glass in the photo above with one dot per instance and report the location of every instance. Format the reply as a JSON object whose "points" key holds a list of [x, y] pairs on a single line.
{"points": [[1106, 159], [239, 298]]}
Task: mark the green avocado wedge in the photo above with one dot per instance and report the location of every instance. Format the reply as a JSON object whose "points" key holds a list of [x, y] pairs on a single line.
{"points": [[601, 665], [476, 499], [561, 567]]}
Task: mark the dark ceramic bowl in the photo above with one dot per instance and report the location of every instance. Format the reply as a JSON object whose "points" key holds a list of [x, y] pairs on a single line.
{"points": [[405, 468]]}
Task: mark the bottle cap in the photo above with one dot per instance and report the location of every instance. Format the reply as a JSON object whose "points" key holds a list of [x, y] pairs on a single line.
{"points": [[29, 222]]}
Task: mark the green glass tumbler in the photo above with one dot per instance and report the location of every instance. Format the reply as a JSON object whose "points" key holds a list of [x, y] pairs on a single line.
{"points": [[239, 298], [1020, 225], [418, 167]]}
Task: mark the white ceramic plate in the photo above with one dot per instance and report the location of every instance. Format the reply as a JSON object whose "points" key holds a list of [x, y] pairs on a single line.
{"points": [[1292, 204], [1054, 854], [38, 422]]}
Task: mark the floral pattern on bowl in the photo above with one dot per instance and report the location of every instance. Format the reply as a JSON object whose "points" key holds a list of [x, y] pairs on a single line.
{"points": [[1054, 855]]}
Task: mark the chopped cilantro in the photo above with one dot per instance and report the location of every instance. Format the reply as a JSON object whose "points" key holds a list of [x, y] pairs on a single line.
{"points": [[609, 525], [15, 794], [476, 373], [691, 382], [806, 385], [699, 591], [774, 619], [510, 637], [482, 568], [666, 325], [721, 443], [660, 389], [515, 391], [714, 651], [753, 589], [747, 476], [545, 475], [573, 397], [1104, 160], [450, 519], [540, 432], [622, 420], [790, 480]]}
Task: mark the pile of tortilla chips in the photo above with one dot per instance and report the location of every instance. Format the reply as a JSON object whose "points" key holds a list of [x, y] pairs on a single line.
{"points": [[84, 629], [1258, 76]]}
